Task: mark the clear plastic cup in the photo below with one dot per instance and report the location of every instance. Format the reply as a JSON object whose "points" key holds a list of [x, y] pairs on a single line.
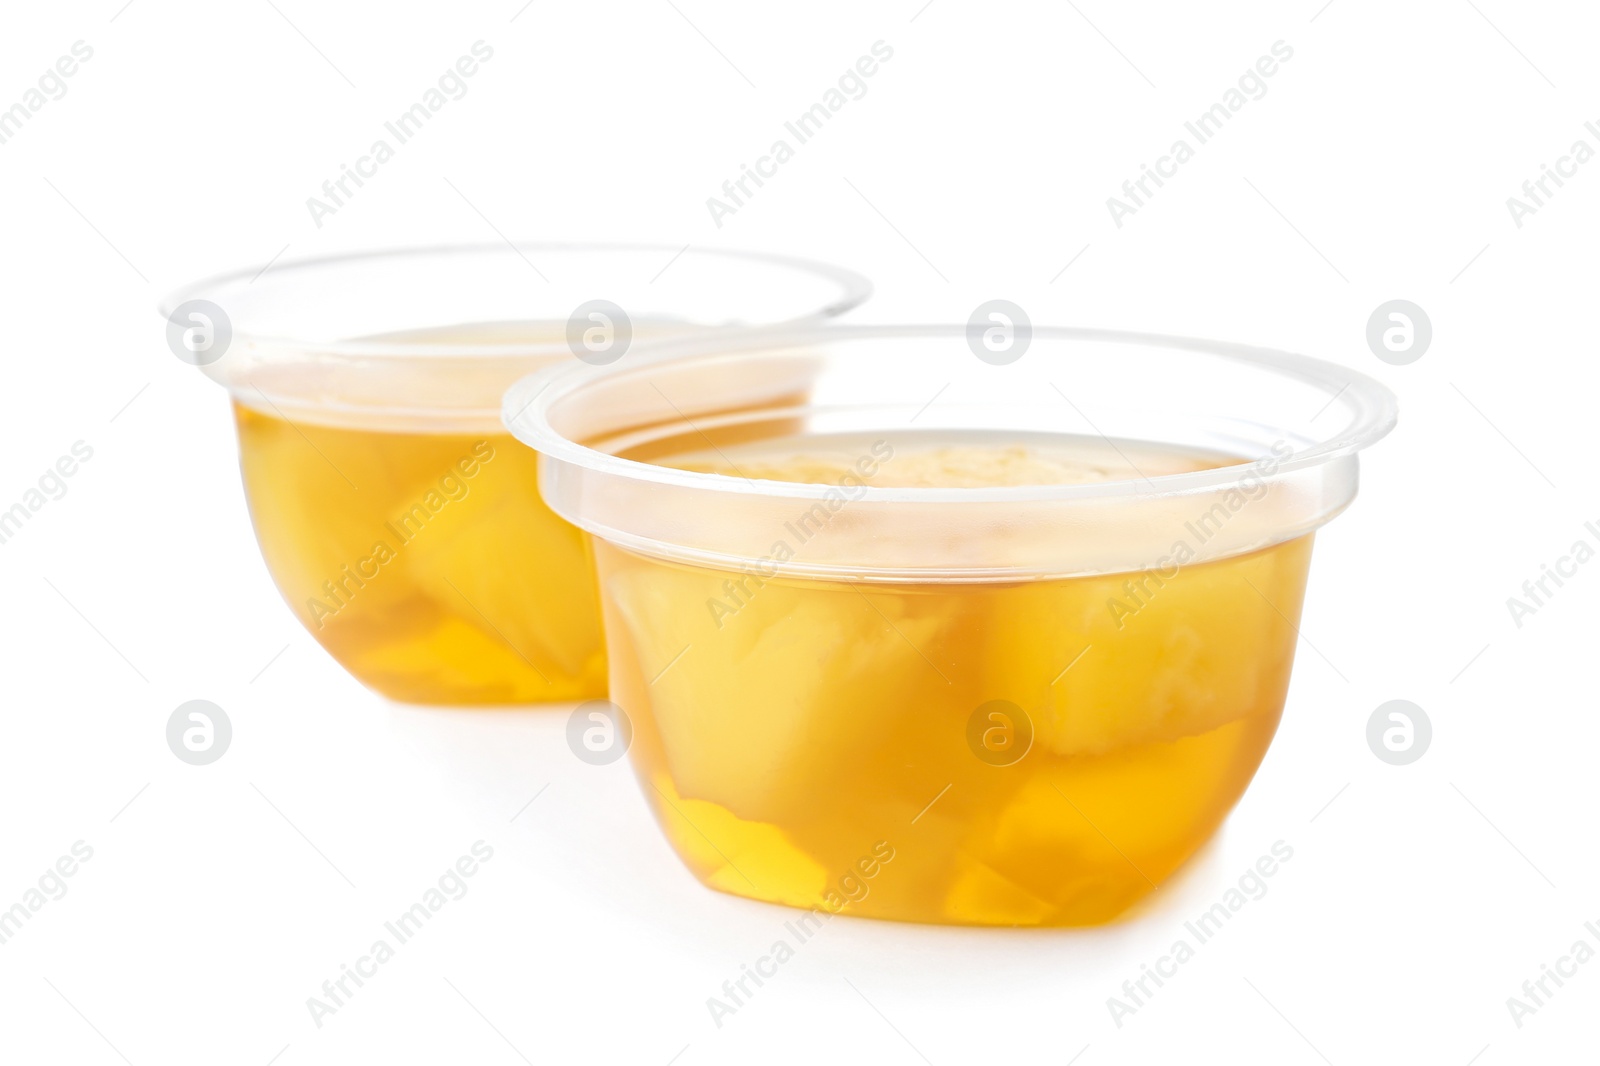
{"points": [[907, 634], [399, 520]]}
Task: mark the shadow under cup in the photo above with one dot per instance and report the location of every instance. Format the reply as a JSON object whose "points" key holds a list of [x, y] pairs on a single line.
{"points": [[957, 701], [400, 521]]}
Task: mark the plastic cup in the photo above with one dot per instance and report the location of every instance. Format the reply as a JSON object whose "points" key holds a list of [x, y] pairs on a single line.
{"points": [[398, 519], [973, 703]]}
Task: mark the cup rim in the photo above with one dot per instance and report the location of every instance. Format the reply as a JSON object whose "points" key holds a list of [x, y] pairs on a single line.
{"points": [[527, 404], [854, 289]]}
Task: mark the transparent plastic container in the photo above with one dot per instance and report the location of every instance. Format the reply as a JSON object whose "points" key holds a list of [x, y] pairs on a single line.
{"points": [[934, 698], [397, 517]]}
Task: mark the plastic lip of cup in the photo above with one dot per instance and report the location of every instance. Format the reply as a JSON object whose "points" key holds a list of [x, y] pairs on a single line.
{"points": [[1295, 424], [345, 340]]}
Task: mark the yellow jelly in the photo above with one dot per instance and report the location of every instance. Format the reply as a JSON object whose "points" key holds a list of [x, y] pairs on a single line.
{"points": [[425, 563], [1029, 752]]}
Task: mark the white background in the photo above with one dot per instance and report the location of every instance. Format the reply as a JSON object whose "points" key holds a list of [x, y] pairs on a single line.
{"points": [[977, 166]]}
